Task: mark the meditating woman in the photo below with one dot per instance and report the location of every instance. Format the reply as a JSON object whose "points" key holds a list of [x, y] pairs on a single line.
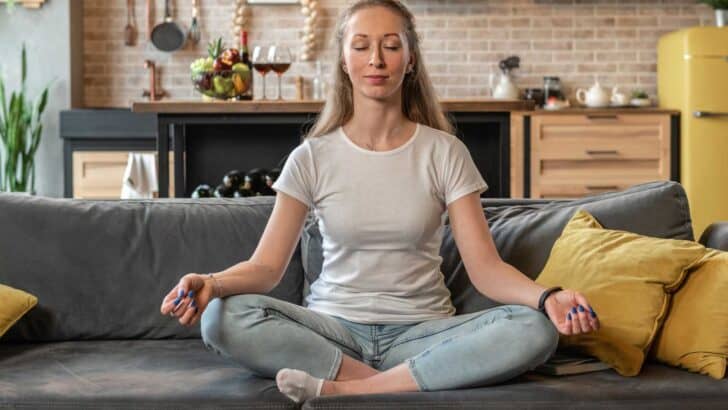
{"points": [[380, 167]]}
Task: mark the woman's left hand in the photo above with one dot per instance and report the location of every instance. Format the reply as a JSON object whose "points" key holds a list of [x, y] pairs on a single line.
{"points": [[571, 313]]}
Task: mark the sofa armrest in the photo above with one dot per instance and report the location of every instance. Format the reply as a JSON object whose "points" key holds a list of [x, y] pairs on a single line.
{"points": [[716, 236]]}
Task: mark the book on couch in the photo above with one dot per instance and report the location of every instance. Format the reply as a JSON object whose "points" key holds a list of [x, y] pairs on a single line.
{"points": [[564, 363]]}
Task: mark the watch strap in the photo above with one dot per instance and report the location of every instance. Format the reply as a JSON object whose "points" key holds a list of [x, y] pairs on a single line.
{"points": [[544, 295]]}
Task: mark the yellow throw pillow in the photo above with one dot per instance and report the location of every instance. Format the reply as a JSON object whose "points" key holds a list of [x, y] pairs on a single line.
{"points": [[626, 278], [15, 303], [695, 333]]}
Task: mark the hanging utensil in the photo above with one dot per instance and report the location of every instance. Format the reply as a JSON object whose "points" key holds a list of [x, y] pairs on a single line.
{"points": [[168, 36], [194, 33], [130, 29], [149, 20]]}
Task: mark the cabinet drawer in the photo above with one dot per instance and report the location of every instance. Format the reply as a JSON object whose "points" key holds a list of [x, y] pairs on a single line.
{"points": [[99, 174], [573, 155], [577, 190], [599, 137], [587, 170]]}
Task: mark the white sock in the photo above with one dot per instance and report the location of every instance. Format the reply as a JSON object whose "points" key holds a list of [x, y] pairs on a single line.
{"points": [[298, 385]]}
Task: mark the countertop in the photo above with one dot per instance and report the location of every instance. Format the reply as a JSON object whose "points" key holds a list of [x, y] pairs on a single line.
{"points": [[308, 106], [600, 111]]}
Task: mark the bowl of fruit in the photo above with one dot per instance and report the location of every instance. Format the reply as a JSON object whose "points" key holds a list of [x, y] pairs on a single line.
{"points": [[222, 74]]}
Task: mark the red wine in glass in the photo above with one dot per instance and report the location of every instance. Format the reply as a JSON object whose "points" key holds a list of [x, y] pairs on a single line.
{"points": [[280, 59], [280, 68], [261, 63], [262, 68]]}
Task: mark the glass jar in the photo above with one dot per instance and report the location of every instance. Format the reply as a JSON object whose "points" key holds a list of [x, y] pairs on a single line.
{"points": [[552, 88]]}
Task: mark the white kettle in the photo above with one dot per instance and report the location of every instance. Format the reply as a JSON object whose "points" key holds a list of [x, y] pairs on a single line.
{"points": [[596, 96]]}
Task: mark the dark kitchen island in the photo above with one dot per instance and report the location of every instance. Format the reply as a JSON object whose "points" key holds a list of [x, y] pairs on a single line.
{"points": [[212, 138]]}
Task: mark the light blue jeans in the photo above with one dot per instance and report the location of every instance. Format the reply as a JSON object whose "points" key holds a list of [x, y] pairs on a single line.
{"points": [[264, 335]]}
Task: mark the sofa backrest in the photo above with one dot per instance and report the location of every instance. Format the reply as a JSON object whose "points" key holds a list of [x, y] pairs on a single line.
{"points": [[524, 231], [100, 269]]}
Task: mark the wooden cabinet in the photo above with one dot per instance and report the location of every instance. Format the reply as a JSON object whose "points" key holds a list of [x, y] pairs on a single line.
{"points": [[570, 155], [98, 174]]}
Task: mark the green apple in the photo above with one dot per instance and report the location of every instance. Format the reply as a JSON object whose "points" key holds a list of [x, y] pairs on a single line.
{"points": [[222, 85], [241, 68]]}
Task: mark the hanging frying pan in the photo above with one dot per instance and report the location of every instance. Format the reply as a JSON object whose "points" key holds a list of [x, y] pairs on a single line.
{"points": [[168, 36]]}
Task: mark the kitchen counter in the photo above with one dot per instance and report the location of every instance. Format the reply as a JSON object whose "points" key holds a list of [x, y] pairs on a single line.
{"points": [[600, 111], [210, 138], [307, 106]]}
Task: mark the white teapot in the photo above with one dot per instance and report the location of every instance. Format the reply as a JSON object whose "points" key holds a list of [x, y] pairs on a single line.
{"points": [[505, 89], [595, 97]]}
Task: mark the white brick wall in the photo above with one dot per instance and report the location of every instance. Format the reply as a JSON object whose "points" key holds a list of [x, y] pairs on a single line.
{"points": [[579, 40]]}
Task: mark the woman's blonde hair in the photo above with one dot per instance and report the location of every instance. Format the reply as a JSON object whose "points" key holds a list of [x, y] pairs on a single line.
{"points": [[419, 100]]}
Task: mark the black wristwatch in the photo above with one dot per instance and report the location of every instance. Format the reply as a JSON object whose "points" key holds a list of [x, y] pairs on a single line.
{"points": [[544, 295]]}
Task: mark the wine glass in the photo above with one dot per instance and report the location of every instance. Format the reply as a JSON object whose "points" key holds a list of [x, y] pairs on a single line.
{"points": [[280, 59], [261, 63]]}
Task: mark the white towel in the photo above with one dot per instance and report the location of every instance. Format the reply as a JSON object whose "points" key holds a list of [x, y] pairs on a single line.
{"points": [[140, 176]]}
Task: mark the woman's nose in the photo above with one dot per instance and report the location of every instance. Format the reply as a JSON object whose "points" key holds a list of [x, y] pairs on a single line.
{"points": [[376, 58]]}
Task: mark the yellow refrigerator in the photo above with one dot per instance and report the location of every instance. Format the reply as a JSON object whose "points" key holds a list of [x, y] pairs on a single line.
{"points": [[692, 76]]}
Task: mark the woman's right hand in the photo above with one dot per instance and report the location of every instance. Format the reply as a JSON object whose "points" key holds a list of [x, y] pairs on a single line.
{"points": [[189, 298]]}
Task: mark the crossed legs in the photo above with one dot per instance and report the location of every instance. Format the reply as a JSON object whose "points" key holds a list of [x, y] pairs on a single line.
{"points": [[267, 335]]}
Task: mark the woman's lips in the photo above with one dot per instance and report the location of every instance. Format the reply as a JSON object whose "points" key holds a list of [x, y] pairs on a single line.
{"points": [[376, 79]]}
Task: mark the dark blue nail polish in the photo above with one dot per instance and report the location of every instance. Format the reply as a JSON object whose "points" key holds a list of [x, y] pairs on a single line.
{"points": [[573, 310], [581, 308], [176, 301], [193, 304], [191, 293], [569, 316], [180, 292], [594, 314]]}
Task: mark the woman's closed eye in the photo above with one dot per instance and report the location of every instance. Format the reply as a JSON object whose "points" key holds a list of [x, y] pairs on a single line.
{"points": [[386, 47]]}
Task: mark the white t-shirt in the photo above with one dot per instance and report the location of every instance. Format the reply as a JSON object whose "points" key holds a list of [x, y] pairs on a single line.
{"points": [[381, 216]]}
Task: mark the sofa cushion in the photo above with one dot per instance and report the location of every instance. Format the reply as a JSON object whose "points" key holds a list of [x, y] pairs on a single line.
{"points": [[524, 230], [15, 303], [695, 333], [657, 387], [101, 268], [139, 374], [626, 278]]}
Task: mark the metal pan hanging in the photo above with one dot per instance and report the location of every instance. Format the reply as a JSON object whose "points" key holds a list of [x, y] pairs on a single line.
{"points": [[168, 36]]}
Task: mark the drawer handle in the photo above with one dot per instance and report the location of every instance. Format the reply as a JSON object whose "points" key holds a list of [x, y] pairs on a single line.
{"points": [[601, 117], [602, 152], [601, 187]]}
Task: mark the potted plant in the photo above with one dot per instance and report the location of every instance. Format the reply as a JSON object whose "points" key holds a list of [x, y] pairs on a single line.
{"points": [[721, 11], [20, 132], [640, 98]]}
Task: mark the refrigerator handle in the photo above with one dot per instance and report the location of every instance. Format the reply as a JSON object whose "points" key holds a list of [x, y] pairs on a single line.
{"points": [[702, 114]]}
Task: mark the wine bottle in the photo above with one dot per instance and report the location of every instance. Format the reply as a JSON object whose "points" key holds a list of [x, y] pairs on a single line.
{"points": [[245, 59]]}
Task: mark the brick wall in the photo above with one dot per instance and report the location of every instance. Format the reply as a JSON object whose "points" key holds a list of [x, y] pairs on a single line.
{"points": [[579, 40]]}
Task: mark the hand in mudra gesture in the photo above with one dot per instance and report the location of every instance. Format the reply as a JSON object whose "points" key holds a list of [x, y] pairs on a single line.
{"points": [[571, 313], [188, 299]]}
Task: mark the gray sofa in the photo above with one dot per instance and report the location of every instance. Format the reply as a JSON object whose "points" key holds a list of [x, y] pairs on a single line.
{"points": [[101, 268]]}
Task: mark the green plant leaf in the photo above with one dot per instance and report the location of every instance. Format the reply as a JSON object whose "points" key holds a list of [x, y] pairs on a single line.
{"points": [[37, 132], [3, 106], [43, 102], [23, 70]]}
